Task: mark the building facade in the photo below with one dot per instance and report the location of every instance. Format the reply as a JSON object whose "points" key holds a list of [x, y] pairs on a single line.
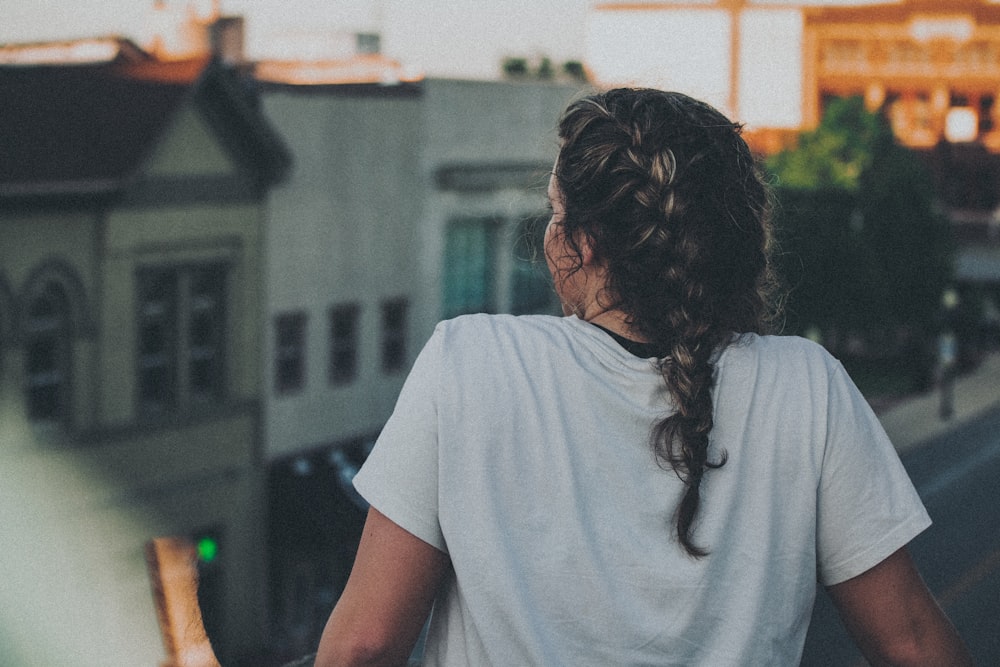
{"points": [[933, 69], [131, 236], [407, 204]]}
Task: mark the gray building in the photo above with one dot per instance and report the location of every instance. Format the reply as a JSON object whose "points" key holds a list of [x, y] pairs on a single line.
{"points": [[132, 214], [406, 204]]}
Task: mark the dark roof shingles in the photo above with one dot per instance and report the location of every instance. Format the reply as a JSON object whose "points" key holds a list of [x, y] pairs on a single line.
{"points": [[78, 124]]}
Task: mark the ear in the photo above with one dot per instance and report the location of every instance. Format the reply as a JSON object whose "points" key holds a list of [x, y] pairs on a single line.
{"points": [[587, 255]]}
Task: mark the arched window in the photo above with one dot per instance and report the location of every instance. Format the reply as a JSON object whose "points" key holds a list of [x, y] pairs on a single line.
{"points": [[7, 324], [47, 352]]}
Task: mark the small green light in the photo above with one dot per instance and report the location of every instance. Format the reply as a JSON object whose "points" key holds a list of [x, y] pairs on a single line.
{"points": [[208, 549]]}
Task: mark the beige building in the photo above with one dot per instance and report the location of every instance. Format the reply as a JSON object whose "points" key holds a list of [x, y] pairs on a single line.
{"points": [[131, 233], [934, 66]]}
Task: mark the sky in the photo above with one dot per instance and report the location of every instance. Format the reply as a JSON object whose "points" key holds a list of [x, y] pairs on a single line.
{"points": [[463, 38], [685, 49]]}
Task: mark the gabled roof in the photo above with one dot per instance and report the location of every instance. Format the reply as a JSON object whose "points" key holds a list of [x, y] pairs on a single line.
{"points": [[87, 129]]}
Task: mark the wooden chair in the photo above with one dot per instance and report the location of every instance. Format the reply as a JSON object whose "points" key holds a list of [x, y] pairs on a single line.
{"points": [[173, 573]]}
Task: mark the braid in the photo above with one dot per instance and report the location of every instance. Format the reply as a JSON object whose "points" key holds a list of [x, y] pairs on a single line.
{"points": [[668, 196]]}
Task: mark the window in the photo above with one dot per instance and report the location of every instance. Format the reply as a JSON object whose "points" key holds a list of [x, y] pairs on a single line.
{"points": [[181, 334], [290, 352], [470, 266], [394, 335], [344, 343], [986, 103], [531, 287], [47, 353]]}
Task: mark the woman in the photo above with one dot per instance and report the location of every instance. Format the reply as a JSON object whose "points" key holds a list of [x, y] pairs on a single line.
{"points": [[648, 480]]}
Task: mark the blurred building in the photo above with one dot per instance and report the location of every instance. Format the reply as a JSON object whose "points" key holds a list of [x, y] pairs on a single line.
{"points": [[132, 230], [932, 67], [213, 281], [407, 203]]}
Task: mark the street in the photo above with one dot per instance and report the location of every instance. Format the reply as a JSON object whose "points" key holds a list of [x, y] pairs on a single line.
{"points": [[958, 477]]}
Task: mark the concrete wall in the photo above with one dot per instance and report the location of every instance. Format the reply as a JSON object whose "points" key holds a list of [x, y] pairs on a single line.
{"points": [[485, 125], [362, 219], [79, 499], [345, 227]]}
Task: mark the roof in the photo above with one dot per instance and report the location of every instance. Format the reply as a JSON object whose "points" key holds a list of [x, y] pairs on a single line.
{"points": [[368, 68], [69, 129], [111, 48]]}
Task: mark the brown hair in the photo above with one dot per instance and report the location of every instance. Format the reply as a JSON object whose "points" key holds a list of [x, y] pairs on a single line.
{"points": [[670, 198]]}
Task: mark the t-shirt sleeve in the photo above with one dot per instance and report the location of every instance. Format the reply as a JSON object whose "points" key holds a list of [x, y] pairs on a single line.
{"points": [[400, 476], [867, 507]]}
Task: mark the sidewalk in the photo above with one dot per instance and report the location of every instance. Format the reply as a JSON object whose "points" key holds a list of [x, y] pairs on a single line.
{"points": [[917, 419]]}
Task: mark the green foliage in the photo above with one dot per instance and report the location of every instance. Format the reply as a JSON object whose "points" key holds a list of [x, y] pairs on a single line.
{"points": [[910, 238], [835, 154], [542, 69], [862, 248], [545, 70], [515, 67], [573, 69]]}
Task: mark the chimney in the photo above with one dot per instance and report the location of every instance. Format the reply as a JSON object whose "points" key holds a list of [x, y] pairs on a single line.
{"points": [[226, 39]]}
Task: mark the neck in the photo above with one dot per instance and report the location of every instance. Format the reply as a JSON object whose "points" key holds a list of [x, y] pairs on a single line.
{"points": [[616, 321]]}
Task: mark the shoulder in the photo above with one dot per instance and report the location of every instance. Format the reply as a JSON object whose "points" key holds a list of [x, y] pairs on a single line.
{"points": [[499, 344], [788, 363], [479, 329], [774, 349]]}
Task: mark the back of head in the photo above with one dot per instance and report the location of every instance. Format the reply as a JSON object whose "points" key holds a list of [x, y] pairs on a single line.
{"points": [[668, 196]]}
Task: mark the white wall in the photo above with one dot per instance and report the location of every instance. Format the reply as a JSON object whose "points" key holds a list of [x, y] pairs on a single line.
{"points": [[362, 218], [342, 228]]}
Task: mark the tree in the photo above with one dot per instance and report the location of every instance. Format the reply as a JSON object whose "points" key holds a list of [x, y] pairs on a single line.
{"points": [[837, 153], [862, 248], [542, 68]]}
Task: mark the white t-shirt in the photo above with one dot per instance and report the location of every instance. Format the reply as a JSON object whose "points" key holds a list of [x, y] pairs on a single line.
{"points": [[520, 446]]}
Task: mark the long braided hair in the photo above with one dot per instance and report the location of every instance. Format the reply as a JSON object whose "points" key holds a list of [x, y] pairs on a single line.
{"points": [[669, 197]]}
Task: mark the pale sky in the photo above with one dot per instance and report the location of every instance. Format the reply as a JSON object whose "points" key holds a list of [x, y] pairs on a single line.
{"points": [[465, 38], [685, 50]]}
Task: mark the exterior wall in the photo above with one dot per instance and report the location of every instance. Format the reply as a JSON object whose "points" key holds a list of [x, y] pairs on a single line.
{"points": [[82, 497], [344, 228], [918, 60], [171, 236], [493, 121], [194, 150], [378, 175], [506, 132], [362, 220], [194, 470]]}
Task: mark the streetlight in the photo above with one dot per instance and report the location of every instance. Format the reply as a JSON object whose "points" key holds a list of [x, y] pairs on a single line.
{"points": [[948, 353]]}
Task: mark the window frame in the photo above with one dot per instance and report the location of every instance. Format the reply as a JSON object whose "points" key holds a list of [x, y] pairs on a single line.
{"points": [[53, 331], [459, 279], [394, 321], [168, 328], [291, 337], [344, 320]]}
